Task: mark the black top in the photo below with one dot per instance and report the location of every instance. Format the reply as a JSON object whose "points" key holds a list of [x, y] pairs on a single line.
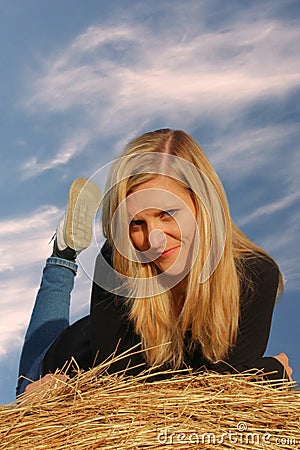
{"points": [[107, 330]]}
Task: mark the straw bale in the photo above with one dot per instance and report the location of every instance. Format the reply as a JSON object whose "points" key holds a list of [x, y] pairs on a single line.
{"points": [[207, 410]]}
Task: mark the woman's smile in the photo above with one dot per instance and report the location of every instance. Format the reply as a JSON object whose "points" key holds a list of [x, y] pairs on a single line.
{"points": [[169, 252]]}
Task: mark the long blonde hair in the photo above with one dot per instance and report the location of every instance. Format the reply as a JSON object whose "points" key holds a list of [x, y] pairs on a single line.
{"points": [[211, 308]]}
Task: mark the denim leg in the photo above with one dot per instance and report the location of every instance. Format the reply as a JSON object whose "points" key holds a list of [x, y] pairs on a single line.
{"points": [[50, 315]]}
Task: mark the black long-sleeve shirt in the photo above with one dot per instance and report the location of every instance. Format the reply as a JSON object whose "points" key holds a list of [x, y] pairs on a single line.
{"points": [[94, 338]]}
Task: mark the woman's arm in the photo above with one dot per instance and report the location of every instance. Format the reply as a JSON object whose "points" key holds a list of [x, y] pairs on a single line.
{"points": [[284, 360]]}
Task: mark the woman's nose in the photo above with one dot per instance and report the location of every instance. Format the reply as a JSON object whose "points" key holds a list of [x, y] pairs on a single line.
{"points": [[156, 245], [157, 239]]}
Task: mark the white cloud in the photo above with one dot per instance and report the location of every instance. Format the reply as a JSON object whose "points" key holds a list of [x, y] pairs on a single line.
{"points": [[271, 208], [36, 220], [5, 266], [97, 36], [19, 294], [25, 240], [119, 75], [20, 291], [74, 145], [248, 150], [24, 245], [283, 243], [123, 78]]}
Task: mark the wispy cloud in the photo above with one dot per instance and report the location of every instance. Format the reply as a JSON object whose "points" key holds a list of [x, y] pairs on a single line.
{"points": [[74, 145], [259, 148], [15, 309], [283, 242], [120, 75], [23, 240], [116, 79], [271, 208], [24, 245], [122, 79]]}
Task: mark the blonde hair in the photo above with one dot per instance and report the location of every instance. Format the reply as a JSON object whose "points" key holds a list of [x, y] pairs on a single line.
{"points": [[211, 308]]}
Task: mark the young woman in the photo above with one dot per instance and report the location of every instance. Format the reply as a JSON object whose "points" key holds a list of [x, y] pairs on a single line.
{"points": [[175, 276]]}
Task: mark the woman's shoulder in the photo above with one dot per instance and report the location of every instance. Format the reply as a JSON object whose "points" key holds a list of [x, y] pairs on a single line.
{"points": [[258, 265], [259, 277]]}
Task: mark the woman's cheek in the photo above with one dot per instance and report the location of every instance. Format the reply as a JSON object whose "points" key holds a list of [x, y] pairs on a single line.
{"points": [[187, 227], [135, 239]]}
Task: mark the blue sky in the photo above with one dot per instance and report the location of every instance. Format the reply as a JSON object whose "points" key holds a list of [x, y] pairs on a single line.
{"points": [[79, 79]]}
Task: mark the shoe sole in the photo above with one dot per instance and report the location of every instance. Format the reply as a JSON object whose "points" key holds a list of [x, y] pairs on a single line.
{"points": [[83, 202]]}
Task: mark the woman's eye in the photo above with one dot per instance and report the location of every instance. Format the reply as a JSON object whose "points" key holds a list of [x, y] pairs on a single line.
{"points": [[169, 212], [136, 222]]}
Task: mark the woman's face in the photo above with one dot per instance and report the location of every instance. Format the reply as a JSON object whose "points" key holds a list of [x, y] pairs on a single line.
{"points": [[162, 223]]}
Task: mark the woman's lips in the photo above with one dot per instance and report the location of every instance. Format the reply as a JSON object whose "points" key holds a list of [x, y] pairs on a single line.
{"points": [[169, 252]]}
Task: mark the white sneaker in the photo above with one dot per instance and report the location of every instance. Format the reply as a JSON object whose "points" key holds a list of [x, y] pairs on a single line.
{"points": [[75, 230]]}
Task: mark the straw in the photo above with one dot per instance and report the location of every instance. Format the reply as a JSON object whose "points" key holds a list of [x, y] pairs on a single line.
{"points": [[169, 409]]}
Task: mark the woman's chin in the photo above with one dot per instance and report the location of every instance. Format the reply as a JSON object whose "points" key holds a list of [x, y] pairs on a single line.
{"points": [[174, 270]]}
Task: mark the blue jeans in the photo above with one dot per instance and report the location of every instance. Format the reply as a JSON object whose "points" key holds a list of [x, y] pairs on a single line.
{"points": [[50, 316]]}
